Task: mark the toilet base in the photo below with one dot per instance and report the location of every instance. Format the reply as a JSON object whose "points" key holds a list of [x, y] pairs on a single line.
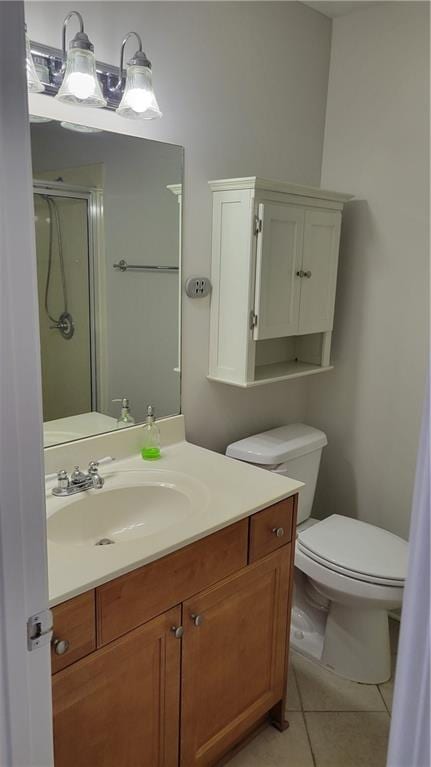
{"points": [[357, 645], [350, 640]]}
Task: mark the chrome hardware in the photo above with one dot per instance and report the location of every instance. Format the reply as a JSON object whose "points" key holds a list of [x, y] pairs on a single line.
{"points": [[278, 531], [77, 476], [197, 619], [177, 631], [39, 630], [307, 274], [300, 273], [79, 480], [60, 646], [93, 472], [253, 320], [258, 225], [65, 325], [63, 480], [123, 266]]}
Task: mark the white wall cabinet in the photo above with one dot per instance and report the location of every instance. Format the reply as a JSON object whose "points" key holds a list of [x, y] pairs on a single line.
{"points": [[274, 270]]}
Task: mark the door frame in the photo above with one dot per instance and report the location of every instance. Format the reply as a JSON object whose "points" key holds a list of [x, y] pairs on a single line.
{"points": [[25, 678], [97, 280]]}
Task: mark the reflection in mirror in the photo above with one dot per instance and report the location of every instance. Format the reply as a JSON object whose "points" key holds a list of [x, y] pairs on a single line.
{"points": [[108, 221]]}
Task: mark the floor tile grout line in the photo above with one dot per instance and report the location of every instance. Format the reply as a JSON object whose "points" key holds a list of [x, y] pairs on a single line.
{"points": [[347, 711], [304, 719], [384, 702]]}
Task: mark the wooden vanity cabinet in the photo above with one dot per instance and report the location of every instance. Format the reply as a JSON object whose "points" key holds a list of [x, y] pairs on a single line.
{"points": [[233, 657], [185, 686], [119, 706]]}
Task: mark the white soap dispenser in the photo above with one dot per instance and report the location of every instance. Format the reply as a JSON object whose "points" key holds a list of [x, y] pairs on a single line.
{"points": [[151, 442], [125, 419]]}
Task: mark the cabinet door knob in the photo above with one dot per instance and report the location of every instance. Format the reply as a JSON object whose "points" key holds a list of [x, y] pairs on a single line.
{"points": [[300, 273], [197, 619], [177, 631], [60, 646], [278, 531], [307, 274]]}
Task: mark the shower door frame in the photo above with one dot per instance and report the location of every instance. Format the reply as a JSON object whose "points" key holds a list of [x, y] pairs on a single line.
{"points": [[96, 278]]}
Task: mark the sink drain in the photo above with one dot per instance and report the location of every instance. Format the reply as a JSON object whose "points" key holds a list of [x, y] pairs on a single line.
{"points": [[104, 542]]}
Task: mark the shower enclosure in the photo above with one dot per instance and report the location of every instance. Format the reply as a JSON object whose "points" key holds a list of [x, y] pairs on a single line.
{"points": [[66, 224]]}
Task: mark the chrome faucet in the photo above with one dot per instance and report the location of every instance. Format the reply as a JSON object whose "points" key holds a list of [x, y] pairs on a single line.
{"points": [[79, 480]]}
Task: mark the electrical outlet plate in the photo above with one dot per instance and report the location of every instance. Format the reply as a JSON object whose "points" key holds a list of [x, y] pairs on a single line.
{"points": [[198, 287]]}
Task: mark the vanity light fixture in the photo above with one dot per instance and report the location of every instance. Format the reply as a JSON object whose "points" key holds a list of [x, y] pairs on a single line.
{"points": [[80, 84], [34, 83], [75, 77], [139, 101]]}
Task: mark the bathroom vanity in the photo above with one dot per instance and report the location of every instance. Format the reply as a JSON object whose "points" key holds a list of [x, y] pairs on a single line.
{"points": [[179, 658]]}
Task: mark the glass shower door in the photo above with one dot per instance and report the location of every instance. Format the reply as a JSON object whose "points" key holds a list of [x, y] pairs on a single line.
{"points": [[63, 267]]}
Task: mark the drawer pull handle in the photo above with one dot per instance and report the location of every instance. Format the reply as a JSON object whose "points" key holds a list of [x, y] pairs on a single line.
{"points": [[177, 631], [197, 619], [60, 646], [278, 531]]}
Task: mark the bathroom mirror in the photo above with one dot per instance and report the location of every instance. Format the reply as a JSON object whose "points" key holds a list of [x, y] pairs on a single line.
{"points": [[108, 246]]}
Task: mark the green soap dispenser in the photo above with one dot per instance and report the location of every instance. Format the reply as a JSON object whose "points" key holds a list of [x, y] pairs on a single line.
{"points": [[151, 446], [125, 418]]}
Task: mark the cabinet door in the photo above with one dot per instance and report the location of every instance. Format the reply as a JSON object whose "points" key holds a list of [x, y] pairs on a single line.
{"points": [[319, 264], [120, 705], [279, 255], [233, 657]]}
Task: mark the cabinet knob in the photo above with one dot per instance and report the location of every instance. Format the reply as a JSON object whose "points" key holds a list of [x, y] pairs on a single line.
{"points": [[177, 631], [307, 274], [197, 619], [278, 531], [300, 273], [60, 646]]}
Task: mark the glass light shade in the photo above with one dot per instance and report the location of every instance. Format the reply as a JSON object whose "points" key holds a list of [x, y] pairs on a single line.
{"points": [[139, 101], [80, 84], [37, 119], [34, 84], [80, 128]]}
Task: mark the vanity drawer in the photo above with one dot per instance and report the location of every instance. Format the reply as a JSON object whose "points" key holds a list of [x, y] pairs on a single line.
{"points": [[74, 624], [132, 599], [271, 528]]}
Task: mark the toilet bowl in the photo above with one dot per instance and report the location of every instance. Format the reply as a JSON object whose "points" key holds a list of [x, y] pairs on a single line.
{"points": [[348, 573]]}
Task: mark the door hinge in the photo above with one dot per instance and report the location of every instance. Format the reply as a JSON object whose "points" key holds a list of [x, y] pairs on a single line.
{"points": [[258, 224], [253, 319], [39, 630]]}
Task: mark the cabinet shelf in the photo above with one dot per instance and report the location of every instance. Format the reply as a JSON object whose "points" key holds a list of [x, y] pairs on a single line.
{"points": [[277, 371]]}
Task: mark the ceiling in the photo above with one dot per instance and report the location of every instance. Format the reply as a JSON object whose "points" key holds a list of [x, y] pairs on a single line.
{"points": [[338, 7]]}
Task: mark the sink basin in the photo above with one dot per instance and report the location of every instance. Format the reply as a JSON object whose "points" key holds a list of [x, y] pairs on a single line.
{"points": [[131, 505]]}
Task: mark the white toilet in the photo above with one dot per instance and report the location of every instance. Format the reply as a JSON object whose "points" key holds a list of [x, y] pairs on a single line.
{"points": [[348, 573]]}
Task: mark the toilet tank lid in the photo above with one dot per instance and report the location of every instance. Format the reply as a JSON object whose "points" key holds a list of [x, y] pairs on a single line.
{"points": [[278, 445]]}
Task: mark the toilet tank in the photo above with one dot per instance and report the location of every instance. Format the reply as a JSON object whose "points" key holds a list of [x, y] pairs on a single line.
{"points": [[293, 451]]}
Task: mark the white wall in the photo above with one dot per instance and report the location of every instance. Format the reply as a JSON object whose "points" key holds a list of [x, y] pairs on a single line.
{"points": [[243, 87], [376, 146]]}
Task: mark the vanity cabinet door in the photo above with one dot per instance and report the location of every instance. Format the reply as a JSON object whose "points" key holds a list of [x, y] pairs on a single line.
{"points": [[233, 658], [119, 707]]}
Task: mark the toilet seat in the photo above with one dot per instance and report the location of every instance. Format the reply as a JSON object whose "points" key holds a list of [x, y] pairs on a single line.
{"points": [[356, 550]]}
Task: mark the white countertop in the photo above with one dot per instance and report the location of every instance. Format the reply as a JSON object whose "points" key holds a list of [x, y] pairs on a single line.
{"points": [[234, 490], [75, 427]]}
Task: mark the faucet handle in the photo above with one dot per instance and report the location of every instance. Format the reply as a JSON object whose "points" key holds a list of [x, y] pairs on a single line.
{"points": [[63, 479], [93, 472]]}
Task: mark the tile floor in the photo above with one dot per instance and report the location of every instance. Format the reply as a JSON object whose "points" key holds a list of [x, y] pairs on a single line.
{"points": [[333, 722]]}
